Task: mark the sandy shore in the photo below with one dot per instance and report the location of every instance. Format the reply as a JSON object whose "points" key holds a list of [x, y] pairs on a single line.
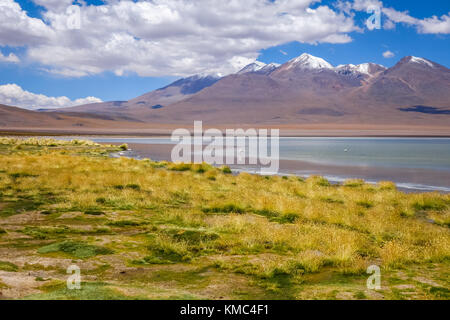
{"points": [[286, 130], [406, 178]]}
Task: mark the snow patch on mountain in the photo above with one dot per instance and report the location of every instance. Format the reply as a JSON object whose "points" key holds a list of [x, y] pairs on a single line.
{"points": [[259, 67], [252, 67], [363, 68]]}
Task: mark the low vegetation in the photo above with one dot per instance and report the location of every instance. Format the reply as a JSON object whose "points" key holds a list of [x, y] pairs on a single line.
{"points": [[140, 229]]}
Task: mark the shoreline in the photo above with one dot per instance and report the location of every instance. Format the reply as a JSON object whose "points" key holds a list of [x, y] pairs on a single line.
{"points": [[165, 132], [407, 179]]}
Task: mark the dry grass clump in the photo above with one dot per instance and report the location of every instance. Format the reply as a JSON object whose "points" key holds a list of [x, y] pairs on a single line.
{"points": [[46, 142]]}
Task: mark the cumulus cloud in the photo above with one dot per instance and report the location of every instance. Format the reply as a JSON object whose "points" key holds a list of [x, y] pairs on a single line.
{"points": [[160, 37], [388, 54], [9, 58], [14, 95]]}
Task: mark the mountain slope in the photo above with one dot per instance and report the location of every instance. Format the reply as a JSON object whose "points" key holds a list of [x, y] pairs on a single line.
{"points": [[142, 108], [13, 117]]}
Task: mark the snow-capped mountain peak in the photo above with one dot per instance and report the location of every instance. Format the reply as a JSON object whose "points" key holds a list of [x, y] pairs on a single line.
{"points": [[253, 67], [421, 61], [307, 61]]}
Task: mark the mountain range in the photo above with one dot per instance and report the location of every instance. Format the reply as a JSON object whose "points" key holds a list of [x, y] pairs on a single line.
{"points": [[304, 91]]}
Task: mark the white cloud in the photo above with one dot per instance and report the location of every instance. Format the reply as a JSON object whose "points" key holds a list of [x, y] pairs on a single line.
{"points": [[14, 95], [160, 37], [18, 29], [432, 25], [435, 25], [388, 54], [9, 58], [181, 37]]}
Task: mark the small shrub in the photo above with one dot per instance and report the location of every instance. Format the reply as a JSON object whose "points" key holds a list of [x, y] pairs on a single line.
{"points": [[387, 185], [123, 147], [100, 200], [227, 208], [286, 218], [319, 181], [226, 170], [94, 212], [193, 236], [365, 204], [180, 167], [267, 213], [125, 223], [133, 187], [17, 175], [356, 183], [331, 200]]}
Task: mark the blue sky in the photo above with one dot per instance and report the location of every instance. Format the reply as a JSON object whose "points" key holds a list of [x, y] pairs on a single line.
{"points": [[36, 72]]}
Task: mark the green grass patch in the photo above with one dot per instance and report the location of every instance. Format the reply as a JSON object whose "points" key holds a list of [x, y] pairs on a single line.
{"points": [[44, 233], [8, 266], [88, 291], [75, 249]]}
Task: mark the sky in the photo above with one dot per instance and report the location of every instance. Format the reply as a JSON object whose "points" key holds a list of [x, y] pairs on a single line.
{"points": [[61, 53]]}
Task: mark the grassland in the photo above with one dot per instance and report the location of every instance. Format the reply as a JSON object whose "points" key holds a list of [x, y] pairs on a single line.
{"points": [[157, 230]]}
